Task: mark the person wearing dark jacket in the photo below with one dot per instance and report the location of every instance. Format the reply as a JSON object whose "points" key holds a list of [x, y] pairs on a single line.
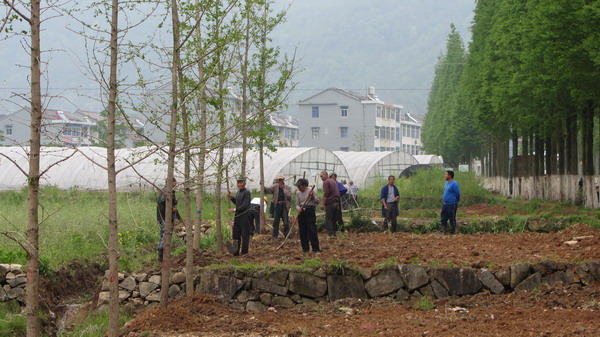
{"points": [[389, 203], [330, 203], [241, 223], [339, 220], [282, 201], [161, 206]]}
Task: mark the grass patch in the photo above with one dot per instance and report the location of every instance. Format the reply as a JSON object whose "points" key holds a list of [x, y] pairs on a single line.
{"points": [[391, 262], [95, 325], [424, 303], [12, 320]]}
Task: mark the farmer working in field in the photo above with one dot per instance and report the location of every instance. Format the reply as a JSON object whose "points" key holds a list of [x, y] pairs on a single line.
{"points": [[306, 202], [241, 223], [161, 206], [330, 203], [282, 199], [339, 220], [389, 203], [451, 199]]}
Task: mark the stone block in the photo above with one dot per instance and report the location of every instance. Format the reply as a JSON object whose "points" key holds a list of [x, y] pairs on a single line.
{"points": [[530, 283], [386, 282], [402, 295], [309, 302], [572, 276], [128, 283], [177, 278], [582, 271], [296, 298], [253, 295], [238, 306], [105, 285], [340, 286], [123, 295], [365, 273], [270, 287], [518, 272], [265, 298], [174, 290], [15, 268], [255, 306], [242, 297], [554, 278], [594, 269], [414, 276], [103, 297], [439, 290], [282, 301], [458, 281], [155, 279], [135, 294], [3, 295], [490, 282], [3, 271], [146, 288], [140, 277], [278, 277], [154, 296], [427, 291], [240, 274], [503, 276], [15, 293], [307, 285], [544, 268], [17, 281]]}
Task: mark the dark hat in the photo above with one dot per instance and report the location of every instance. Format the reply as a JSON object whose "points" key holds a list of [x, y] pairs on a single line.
{"points": [[301, 182], [241, 179]]}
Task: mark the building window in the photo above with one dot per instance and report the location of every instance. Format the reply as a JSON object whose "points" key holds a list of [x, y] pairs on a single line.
{"points": [[315, 112], [345, 148], [344, 132], [379, 111], [398, 134], [397, 115], [376, 149], [344, 111], [377, 132], [8, 129], [315, 132]]}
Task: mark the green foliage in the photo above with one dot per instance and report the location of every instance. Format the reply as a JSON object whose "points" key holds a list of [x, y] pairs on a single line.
{"points": [[342, 268], [424, 303], [12, 320], [389, 263], [95, 325]]}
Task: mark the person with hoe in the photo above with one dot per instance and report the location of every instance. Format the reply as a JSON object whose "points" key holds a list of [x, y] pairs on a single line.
{"points": [[306, 202], [451, 198], [161, 211], [339, 220], [330, 203], [389, 204], [241, 223], [282, 199]]}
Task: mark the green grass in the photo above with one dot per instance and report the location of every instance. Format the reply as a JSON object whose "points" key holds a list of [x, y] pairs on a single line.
{"points": [[424, 303], [12, 320], [95, 325]]}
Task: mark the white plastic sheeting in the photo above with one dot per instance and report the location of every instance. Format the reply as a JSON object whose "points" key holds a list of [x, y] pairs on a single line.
{"points": [[83, 168], [365, 168], [429, 159]]}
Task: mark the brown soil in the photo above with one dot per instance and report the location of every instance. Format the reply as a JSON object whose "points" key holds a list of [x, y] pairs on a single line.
{"points": [[369, 249], [482, 209], [547, 312]]}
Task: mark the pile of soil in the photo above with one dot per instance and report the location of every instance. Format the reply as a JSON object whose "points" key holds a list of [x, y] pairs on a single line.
{"points": [[558, 311], [369, 249]]}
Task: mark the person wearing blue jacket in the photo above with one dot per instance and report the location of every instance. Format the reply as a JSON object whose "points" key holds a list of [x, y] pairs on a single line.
{"points": [[451, 199], [389, 203]]}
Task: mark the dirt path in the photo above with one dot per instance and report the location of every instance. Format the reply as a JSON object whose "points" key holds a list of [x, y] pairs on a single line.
{"points": [[546, 312]]}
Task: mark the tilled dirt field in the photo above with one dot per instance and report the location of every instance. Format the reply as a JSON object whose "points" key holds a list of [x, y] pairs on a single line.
{"points": [[483, 250], [557, 311], [571, 311]]}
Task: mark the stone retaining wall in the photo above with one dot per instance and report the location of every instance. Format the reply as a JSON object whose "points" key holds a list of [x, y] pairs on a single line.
{"points": [[12, 282], [259, 290]]}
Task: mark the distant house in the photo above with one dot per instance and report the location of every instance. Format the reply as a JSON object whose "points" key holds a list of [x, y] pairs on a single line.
{"points": [[342, 120], [287, 130], [411, 133], [59, 127]]}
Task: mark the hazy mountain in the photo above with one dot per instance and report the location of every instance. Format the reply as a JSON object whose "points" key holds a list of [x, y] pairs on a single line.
{"points": [[350, 44], [389, 44]]}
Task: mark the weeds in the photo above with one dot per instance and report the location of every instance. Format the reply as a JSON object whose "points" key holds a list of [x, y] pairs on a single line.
{"points": [[389, 263], [424, 303]]}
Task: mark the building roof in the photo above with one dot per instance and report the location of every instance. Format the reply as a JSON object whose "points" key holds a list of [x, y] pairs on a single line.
{"points": [[351, 94], [284, 121]]}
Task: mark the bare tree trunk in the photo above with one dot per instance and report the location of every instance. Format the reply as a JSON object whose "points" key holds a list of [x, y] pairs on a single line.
{"points": [[203, 120], [245, 103], [113, 253], [166, 264], [189, 250], [33, 178]]}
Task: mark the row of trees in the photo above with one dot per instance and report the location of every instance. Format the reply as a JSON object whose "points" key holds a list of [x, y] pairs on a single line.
{"points": [[220, 53], [524, 97]]}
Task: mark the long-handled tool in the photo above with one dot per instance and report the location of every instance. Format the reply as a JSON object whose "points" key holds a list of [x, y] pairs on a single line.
{"points": [[297, 217]]}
